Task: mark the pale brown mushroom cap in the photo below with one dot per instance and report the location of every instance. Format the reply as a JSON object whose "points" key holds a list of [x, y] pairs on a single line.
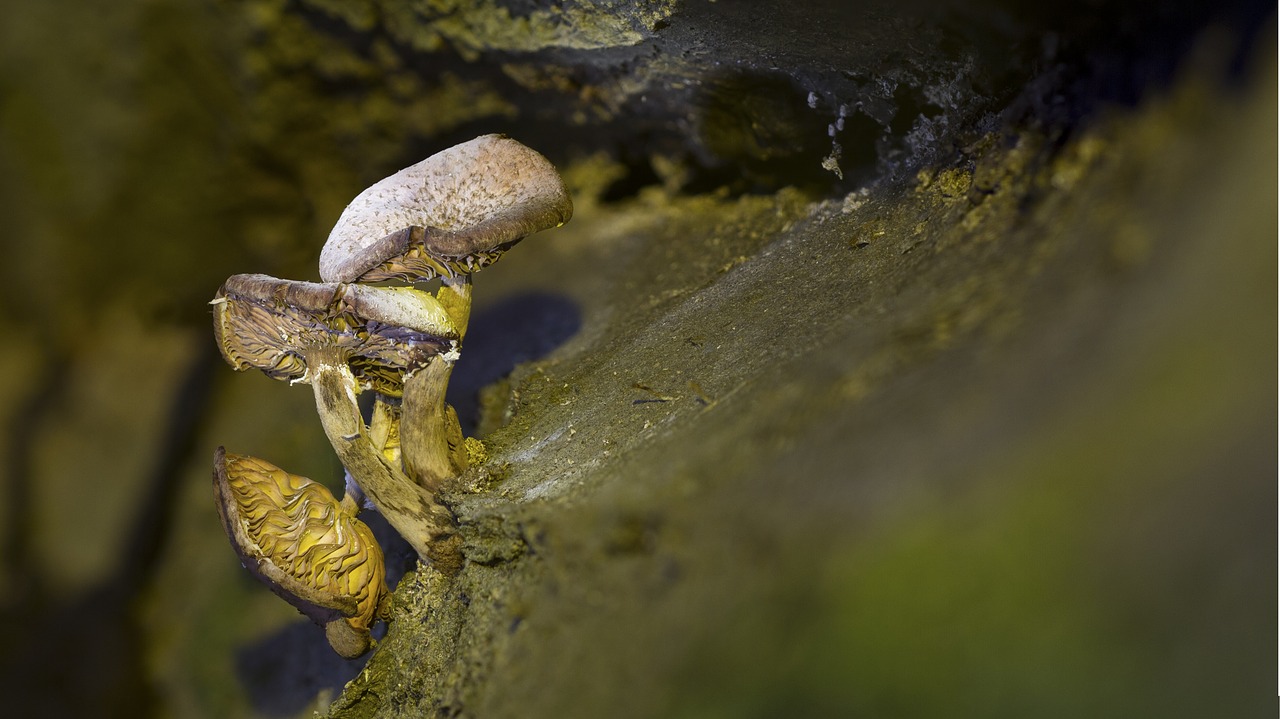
{"points": [[292, 534], [449, 215], [269, 324]]}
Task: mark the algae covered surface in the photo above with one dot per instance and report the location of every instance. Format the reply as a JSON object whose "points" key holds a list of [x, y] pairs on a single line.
{"points": [[986, 442]]}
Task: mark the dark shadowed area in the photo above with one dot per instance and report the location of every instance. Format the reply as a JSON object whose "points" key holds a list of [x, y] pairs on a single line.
{"points": [[517, 329]]}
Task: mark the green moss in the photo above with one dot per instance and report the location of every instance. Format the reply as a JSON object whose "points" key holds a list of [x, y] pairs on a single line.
{"points": [[475, 27]]}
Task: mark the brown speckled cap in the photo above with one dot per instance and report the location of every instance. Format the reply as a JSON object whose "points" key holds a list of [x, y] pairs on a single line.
{"points": [[449, 215]]}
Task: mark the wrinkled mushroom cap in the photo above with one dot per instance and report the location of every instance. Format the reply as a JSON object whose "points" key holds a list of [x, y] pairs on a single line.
{"points": [[269, 324], [292, 534], [449, 215]]}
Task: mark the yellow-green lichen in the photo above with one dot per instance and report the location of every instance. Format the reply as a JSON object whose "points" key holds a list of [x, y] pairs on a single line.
{"points": [[471, 28]]}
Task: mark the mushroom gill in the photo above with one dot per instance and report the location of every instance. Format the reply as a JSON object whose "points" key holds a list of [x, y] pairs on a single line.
{"points": [[340, 339], [310, 549]]}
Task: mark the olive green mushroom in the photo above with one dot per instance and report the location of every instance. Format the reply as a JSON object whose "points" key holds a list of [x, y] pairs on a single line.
{"points": [[340, 339], [310, 549], [447, 216]]}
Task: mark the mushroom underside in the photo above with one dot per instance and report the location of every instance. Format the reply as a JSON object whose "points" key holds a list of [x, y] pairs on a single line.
{"points": [[292, 534], [273, 325]]}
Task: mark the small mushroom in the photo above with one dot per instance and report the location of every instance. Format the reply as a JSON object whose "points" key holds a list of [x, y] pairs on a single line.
{"points": [[449, 215], [293, 535], [340, 339], [430, 446]]}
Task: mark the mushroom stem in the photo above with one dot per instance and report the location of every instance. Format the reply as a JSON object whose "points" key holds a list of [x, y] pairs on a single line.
{"points": [[431, 438], [414, 512], [352, 496], [455, 296], [384, 427]]}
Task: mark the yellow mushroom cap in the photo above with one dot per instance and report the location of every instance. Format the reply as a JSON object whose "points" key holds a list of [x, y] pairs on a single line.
{"points": [[292, 534]]}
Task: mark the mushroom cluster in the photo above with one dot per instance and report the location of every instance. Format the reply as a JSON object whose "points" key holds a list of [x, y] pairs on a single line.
{"points": [[445, 217]]}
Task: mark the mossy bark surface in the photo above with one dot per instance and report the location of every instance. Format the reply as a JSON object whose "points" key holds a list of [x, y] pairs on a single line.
{"points": [[956, 445]]}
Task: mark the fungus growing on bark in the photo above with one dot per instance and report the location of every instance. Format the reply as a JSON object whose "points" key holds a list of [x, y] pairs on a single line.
{"points": [[339, 339], [447, 216], [310, 549]]}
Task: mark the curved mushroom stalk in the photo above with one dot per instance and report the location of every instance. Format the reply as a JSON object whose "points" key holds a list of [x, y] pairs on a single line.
{"points": [[454, 296], [432, 445], [413, 511], [341, 338], [427, 429], [432, 442], [449, 215], [384, 427], [294, 536]]}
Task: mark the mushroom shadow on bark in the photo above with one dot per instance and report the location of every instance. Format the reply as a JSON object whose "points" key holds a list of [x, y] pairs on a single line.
{"points": [[283, 672], [520, 328]]}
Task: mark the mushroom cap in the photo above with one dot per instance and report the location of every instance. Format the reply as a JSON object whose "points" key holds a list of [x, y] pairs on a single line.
{"points": [[449, 215], [293, 535], [270, 324]]}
